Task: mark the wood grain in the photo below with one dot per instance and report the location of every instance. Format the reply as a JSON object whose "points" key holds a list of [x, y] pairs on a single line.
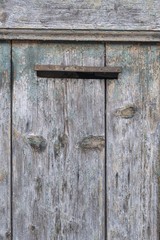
{"points": [[78, 14], [85, 35], [133, 117], [5, 146], [58, 145]]}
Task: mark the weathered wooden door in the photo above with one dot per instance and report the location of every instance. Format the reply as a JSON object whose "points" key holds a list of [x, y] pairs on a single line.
{"points": [[79, 157]]}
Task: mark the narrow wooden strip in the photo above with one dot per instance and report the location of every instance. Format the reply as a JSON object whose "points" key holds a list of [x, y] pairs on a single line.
{"points": [[58, 68], [5, 141], [80, 35]]}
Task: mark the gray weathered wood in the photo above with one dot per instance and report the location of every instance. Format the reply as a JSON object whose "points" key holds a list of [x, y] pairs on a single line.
{"points": [[80, 35], [5, 146], [133, 127], [75, 68], [58, 145], [77, 14]]}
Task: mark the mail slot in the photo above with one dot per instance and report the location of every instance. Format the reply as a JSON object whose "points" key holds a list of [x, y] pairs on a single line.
{"points": [[52, 71]]}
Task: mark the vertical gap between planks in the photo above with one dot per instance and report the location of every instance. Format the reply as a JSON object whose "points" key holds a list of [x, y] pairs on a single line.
{"points": [[105, 159], [11, 132], [158, 209], [158, 180], [158, 221]]}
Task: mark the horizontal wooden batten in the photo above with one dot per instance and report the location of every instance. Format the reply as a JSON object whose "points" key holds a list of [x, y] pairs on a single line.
{"points": [[79, 35], [54, 71]]}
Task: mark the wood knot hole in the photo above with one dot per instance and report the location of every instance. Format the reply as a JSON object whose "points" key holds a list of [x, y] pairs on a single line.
{"points": [[126, 112], [38, 143], [92, 143]]}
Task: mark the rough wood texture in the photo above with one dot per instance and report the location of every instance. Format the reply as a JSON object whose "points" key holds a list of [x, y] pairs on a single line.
{"points": [[5, 147], [133, 125], [80, 35], [78, 14], [58, 146], [75, 68]]}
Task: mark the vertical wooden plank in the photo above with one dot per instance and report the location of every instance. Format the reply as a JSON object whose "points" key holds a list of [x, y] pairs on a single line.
{"points": [[5, 147], [58, 145], [133, 116]]}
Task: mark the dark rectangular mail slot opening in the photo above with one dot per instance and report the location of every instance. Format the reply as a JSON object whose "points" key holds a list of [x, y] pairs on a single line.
{"points": [[54, 71]]}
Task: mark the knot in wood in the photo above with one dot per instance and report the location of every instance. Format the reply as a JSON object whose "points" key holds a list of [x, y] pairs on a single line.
{"points": [[126, 112], [38, 143], [92, 143]]}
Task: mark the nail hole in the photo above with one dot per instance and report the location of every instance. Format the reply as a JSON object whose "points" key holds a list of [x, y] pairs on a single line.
{"points": [[116, 180]]}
